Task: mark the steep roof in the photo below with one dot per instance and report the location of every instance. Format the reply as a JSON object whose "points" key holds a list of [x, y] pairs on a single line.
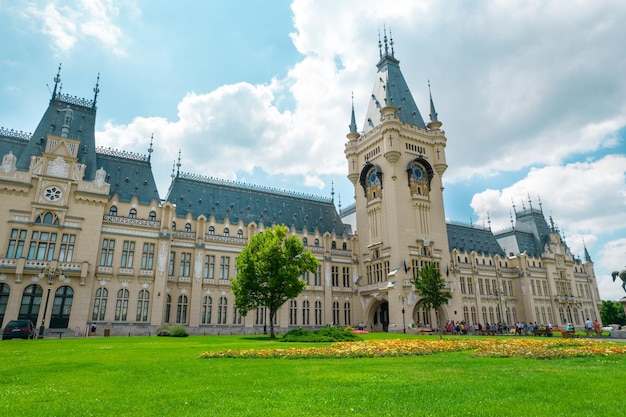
{"points": [[129, 174], [250, 203], [391, 89], [468, 238]]}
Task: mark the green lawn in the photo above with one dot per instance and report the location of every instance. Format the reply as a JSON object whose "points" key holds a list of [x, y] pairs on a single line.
{"points": [[153, 376]]}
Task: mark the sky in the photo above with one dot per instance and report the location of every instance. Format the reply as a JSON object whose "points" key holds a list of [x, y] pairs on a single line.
{"points": [[532, 95]]}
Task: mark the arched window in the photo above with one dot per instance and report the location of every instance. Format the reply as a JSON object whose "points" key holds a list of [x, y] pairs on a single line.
{"points": [[187, 227], [335, 313], [4, 300], [143, 304], [316, 243], [113, 211], [61, 307], [333, 245], [346, 314], [181, 309], [206, 309], [222, 310], [31, 301], [168, 307], [305, 241], [344, 246], [318, 313], [152, 216], [174, 226], [305, 313], [121, 305], [211, 231], [226, 231], [99, 304], [240, 234], [293, 313], [47, 218], [132, 213]]}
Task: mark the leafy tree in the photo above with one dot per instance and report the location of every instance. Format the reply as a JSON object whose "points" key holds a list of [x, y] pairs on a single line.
{"points": [[612, 312], [430, 285], [269, 270]]}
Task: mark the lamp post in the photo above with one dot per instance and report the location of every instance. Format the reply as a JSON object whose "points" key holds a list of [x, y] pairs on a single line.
{"points": [[51, 272], [401, 297]]}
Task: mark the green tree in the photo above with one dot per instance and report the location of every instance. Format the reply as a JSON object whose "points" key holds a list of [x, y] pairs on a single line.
{"points": [[430, 285], [269, 270], [612, 312]]}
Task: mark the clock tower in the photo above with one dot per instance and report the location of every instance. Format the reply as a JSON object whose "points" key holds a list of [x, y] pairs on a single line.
{"points": [[396, 164]]}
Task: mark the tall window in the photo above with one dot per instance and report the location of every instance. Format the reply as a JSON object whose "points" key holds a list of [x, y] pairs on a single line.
{"points": [[106, 255], [240, 234], [152, 216], [172, 261], [181, 309], [168, 308], [305, 313], [318, 313], [185, 264], [466, 317], [4, 300], [100, 304], [305, 241], [236, 316], [128, 254], [334, 273], [226, 231], [66, 252], [259, 316], [211, 231], [474, 315], [42, 246], [305, 277], [335, 313], [316, 243], [121, 305], [16, 243], [31, 300], [209, 266], [462, 285], [346, 276], [485, 318], [206, 309], [222, 310], [224, 267], [147, 257], [346, 314], [293, 313], [143, 303], [132, 213], [470, 285], [187, 227], [481, 289], [317, 278]]}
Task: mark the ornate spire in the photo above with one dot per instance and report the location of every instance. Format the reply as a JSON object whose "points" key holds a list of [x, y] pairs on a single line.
{"points": [[380, 45], [96, 90], [352, 119], [178, 165], [587, 256], [173, 169], [433, 113], [150, 150], [332, 191], [56, 80]]}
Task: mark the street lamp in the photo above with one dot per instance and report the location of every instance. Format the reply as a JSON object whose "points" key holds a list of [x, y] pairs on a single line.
{"points": [[401, 297], [51, 272]]}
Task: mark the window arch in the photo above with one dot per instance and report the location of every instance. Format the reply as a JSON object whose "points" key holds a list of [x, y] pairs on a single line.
{"points": [[187, 227], [47, 218], [31, 301], [226, 232], [206, 309], [181, 309], [121, 305], [113, 211], [99, 304], [316, 243], [333, 245], [211, 230], [305, 241], [132, 213], [61, 307], [174, 226], [293, 313], [347, 313], [168, 307], [305, 313], [221, 310], [344, 246], [152, 216], [143, 304], [240, 234]]}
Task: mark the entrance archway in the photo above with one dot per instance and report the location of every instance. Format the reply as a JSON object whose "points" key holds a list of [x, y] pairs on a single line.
{"points": [[380, 315]]}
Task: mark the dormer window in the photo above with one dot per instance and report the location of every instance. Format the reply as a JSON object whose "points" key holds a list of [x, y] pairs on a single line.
{"points": [[113, 211], [305, 241], [316, 243], [211, 231], [240, 234], [132, 214], [187, 227], [174, 226], [152, 216], [226, 231]]}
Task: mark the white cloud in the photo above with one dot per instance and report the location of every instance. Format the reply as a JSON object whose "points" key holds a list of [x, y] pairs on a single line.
{"points": [[70, 23], [612, 258]]}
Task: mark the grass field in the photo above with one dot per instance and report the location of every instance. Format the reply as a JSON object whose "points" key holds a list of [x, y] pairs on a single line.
{"points": [[153, 376]]}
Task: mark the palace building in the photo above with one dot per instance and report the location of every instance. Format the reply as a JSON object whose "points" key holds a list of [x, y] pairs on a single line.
{"points": [[88, 238]]}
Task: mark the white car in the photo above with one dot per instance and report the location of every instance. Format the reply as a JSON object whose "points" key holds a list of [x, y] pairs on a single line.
{"points": [[607, 329]]}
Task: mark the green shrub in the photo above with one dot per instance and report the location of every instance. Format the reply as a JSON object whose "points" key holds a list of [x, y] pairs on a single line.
{"points": [[174, 331], [326, 334]]}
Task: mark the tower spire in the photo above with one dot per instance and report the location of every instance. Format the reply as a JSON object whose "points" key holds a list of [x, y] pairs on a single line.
{"points": [[434, 123], [56, 80], [178, 165], [150, 150], [96, 90], [352, 119]]}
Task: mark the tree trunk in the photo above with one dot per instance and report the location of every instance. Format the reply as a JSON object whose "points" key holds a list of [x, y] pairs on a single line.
{"points": [[272, 334]]}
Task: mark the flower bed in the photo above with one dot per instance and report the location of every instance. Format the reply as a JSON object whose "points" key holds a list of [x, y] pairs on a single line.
{"points": [[517, 347]]}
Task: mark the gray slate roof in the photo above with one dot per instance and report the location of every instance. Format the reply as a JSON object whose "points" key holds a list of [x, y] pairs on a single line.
{"points": [[227, 199], [468, 238]]}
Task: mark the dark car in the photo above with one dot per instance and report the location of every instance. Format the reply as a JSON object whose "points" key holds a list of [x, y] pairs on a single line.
{"points": [[21, 329]]}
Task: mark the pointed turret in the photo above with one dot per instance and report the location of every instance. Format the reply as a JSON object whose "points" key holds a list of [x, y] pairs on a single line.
{"points": [[391, 89], [352, 126], [587, 256], [434, 123]]}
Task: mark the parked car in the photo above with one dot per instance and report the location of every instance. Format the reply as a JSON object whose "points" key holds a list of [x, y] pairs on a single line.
{"points": [[607, 329], [21, 329]]}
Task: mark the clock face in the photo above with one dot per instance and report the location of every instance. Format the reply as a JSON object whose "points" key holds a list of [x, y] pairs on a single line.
{"points": [[418, 173], [372, 178], [53, 193]]}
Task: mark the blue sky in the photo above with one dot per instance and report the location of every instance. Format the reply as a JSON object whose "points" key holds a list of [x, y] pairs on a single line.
{"points": [[531, 95]]}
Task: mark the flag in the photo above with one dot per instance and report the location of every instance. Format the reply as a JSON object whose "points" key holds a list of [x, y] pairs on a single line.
{"points": [[447, 270], [407, 268]]}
